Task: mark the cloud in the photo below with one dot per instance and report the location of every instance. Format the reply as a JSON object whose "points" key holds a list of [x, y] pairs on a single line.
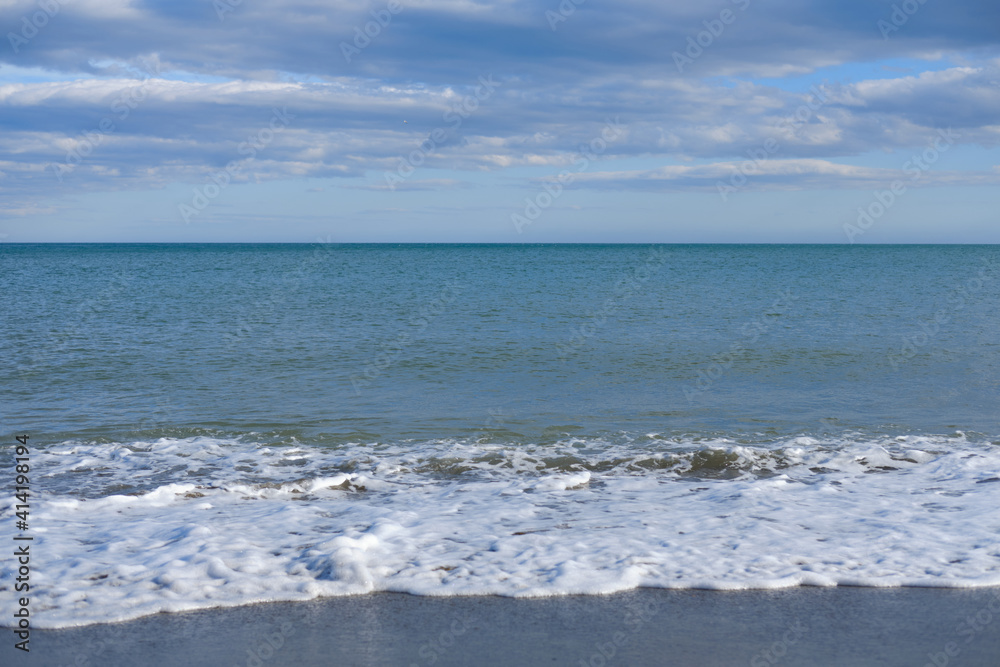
{"points": [[439, 41], [156, 92], [432, 184], [799, 174]]}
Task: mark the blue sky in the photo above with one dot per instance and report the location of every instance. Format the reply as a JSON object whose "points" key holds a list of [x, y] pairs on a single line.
{"points": [[504, 121]]}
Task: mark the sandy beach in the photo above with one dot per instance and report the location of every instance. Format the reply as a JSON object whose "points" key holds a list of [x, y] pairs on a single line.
{"points": [[799, 626]]}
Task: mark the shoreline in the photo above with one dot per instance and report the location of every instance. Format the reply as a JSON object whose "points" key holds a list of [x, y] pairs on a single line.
{"points": [[648, 626]]}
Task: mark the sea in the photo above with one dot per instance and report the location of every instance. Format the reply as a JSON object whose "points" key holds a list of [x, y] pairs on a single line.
{"points": [[212, 425]]}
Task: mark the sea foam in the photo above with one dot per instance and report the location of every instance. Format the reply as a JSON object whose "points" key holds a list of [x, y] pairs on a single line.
{"points": [[124, 530]]}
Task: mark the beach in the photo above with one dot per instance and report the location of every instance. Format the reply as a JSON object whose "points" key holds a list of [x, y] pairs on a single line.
{"points": [[797, 626], [570, 455]]}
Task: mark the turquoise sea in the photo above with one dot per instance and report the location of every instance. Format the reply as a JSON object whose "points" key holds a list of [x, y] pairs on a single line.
{"points": [[216, 424]]}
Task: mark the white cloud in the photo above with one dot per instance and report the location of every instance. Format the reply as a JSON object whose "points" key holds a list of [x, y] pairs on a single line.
{"points": [[217, 82], [796, 174]]}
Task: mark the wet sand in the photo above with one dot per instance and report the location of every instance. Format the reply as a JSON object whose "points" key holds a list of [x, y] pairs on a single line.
{"points": [[800, 626]]}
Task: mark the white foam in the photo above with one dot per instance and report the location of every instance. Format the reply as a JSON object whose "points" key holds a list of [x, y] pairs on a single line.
{"points": [[124, 531]]}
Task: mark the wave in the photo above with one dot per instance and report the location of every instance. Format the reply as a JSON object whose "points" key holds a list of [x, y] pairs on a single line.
{"points": [[128, 529]]}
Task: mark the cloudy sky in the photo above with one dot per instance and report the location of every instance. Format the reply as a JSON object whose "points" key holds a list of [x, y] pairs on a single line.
{"points": [[863, 121]]}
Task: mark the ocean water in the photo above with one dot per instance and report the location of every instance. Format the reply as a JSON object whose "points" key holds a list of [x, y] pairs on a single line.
{"points": [[215, 425]]}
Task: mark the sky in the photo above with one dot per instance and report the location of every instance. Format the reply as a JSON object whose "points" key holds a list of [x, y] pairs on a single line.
{"points": [[506, 121]]}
